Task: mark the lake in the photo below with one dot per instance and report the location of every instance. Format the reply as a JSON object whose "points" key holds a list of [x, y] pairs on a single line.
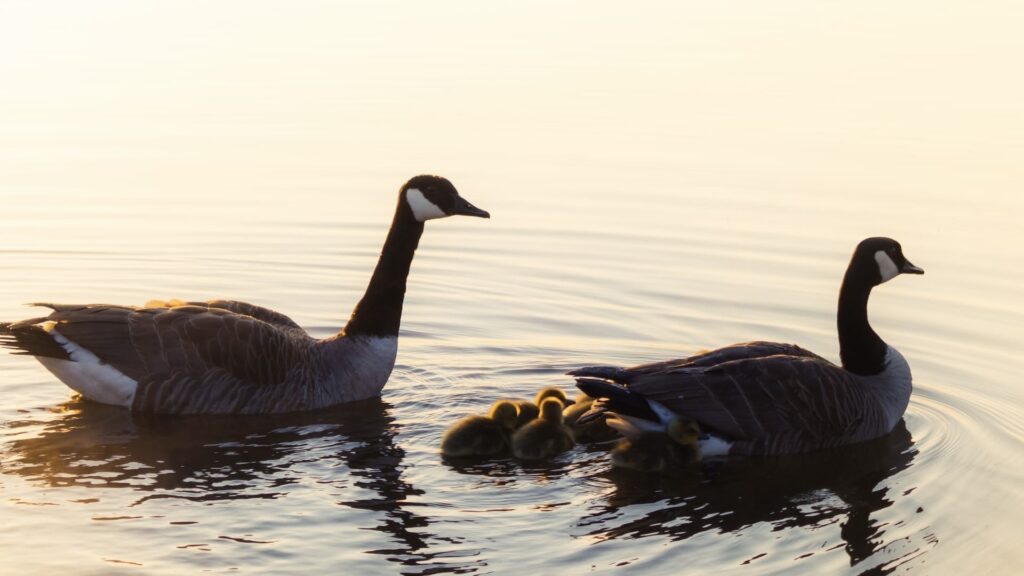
{"points": [[662, 179]]}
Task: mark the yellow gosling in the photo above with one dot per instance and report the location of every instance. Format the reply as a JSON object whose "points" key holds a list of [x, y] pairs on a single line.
{"points": [[591, 432], [545, 437], [652, 452], [551, 392], [481, 435], [528, 412]]}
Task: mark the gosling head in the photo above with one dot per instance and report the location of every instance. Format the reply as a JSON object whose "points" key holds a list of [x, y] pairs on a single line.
{"points": [[504, 413], [528, 412], [430, 197], [881, 259], [683, 430], [550, 392], [551, 410]]}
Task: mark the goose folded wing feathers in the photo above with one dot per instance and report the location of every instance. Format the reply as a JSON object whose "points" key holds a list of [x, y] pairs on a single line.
{"points": [[187, 354], [746, 350], [238, 307], [258, 312], [791, 402]]}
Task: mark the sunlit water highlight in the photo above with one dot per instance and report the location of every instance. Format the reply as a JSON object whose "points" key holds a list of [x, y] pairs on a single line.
{"points": [[685, 183]]}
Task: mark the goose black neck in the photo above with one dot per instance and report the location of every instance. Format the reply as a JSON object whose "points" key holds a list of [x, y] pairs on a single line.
{"points": [[860, 348], [379, 313]]}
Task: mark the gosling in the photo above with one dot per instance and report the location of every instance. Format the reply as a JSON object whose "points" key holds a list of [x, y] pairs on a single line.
{"points": [[545, 437], [528, 411], [593, 431], [551, 392], [655, 452], [476, 436]]}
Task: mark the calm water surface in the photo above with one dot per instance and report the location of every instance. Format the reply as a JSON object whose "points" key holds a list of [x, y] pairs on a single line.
{"points": [[669, 179]]}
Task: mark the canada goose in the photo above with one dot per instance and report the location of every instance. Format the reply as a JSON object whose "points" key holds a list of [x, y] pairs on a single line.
{"points": [[545, 437], [674, 449], [593, 431], [765, 398], [481, 435], [223, 356]]}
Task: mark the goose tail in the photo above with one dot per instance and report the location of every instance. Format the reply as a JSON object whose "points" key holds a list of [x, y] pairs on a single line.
{"points": [[30, 339], [613, 397], [613, 373], [631, 426]]}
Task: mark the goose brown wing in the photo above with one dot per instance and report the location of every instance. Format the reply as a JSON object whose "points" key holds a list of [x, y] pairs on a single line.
{"points": [[745, 350], [775, 404], [187, 354], [258, 312]]}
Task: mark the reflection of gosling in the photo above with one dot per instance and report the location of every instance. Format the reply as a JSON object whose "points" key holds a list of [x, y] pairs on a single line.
{"points": [[551, 392], [481, 435], [545, 437], [593, 431], [654, 452]]}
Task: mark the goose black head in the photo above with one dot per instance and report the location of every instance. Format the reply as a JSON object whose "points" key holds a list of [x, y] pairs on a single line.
{"points": [[883, 259], [430, 197]]}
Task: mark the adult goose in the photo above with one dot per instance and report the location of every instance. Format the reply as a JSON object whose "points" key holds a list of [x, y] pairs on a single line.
{"points": [[228, 357], [765, 398]]}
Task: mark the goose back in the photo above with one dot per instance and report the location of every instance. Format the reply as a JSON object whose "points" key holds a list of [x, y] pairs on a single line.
{"points": [[744, 350], [777, 404], [206, 359]]}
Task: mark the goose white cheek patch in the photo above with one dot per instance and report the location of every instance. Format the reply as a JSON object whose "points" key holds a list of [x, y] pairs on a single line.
{"points": [[886, 267], [422, 209]]}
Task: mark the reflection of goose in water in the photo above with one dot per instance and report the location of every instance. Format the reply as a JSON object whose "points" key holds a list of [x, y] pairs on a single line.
{"points": [[218, 457], [787, 492], [208, 459]]}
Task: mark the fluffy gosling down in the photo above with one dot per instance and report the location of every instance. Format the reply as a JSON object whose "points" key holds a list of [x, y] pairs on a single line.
{"points": [[592, 431], [481, 435], [551, 392], [674, 450], [528, 411], [545, 437]]}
